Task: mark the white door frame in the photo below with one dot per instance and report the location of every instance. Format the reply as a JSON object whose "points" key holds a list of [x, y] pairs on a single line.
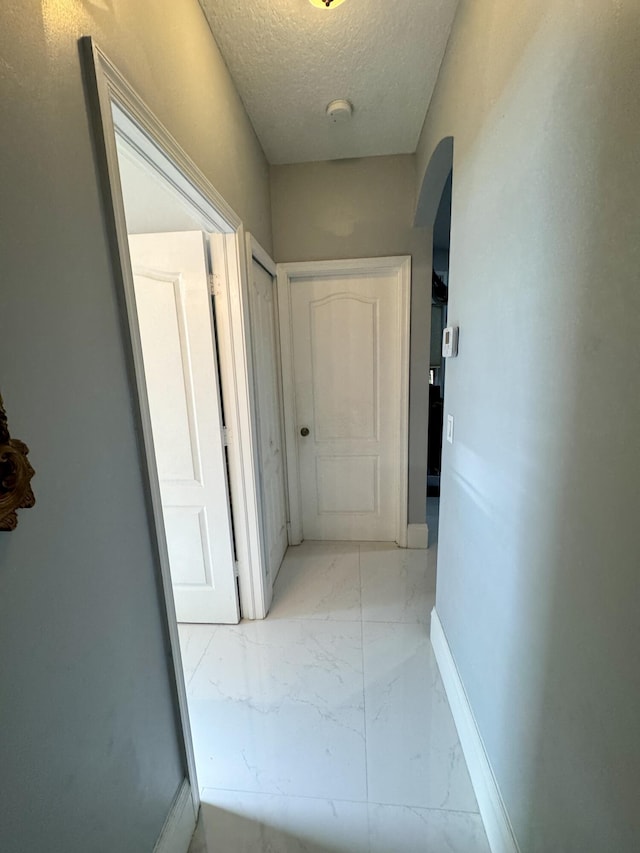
{"points": [[134, 121], [256, 252], [232, 317], [400, 266]]}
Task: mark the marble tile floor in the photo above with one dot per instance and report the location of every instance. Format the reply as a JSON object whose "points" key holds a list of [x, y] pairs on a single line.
{"points": [[325, 728]]}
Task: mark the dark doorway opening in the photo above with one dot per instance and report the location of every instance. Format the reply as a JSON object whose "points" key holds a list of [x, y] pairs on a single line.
{"points": [[439, 303]]}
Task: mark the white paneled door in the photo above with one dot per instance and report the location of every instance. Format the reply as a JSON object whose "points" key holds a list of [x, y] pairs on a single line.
{"points": [[178, 344], [268, 396], [346, 361]]}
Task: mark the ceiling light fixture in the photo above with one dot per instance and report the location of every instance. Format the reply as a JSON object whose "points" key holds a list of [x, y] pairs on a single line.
{"points": [[326, 4]]}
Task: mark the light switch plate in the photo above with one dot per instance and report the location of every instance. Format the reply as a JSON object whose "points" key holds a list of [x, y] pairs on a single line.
{"points": [[450, 429]]}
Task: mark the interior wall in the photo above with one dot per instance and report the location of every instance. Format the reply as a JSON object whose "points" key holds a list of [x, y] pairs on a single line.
{"points": [[90, 751], [538, 581], [364, 208]]}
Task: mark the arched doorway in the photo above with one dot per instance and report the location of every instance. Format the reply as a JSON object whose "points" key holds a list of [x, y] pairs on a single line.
{"points": [[437, 365], [434, 213]]}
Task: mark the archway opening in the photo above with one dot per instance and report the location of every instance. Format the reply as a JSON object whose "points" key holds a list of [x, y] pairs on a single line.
{"points": [[433, 212], [437, 370]]}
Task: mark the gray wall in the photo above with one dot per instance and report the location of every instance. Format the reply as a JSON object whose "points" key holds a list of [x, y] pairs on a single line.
{"points": [[538, 572], [90, 755], [359, 209]]}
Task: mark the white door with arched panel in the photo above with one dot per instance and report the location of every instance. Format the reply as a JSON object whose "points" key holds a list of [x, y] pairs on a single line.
{"points": [[177, 332], [346, 366]]}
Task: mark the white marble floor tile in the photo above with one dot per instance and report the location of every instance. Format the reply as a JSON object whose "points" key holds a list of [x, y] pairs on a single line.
{"points": [[414, 757], [325, 728], [267, 823], [264, 823], [278, 707], [399, 829], [398, 584], [318, 580], [194, 641]]}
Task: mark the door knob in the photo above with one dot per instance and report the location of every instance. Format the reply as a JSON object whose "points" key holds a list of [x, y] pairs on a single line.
{"points": [[304, 431]]}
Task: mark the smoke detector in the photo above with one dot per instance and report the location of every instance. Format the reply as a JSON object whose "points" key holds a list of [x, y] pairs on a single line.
{"points": [[339, 111]]}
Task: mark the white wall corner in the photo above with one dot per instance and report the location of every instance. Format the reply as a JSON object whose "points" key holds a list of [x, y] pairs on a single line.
{"points": [[417, 536], [492, 809], [180, 823]]}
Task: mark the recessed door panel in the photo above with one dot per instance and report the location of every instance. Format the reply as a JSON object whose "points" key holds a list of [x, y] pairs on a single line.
{"points": [[161, 315], [345, 381], [188, 547], [347, 484]]}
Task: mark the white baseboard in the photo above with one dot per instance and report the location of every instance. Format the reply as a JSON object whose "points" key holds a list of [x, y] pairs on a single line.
{"points": [[492, 809], [417, 536], [180, 823]]}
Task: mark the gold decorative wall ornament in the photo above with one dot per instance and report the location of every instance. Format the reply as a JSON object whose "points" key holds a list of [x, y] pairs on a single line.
{"points": [[15, 476]]}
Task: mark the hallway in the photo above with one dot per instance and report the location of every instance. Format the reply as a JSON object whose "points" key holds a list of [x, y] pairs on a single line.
{"points": [[325, 728]]}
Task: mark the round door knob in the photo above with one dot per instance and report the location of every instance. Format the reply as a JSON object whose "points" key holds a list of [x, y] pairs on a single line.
{"points": [[304, 431]]}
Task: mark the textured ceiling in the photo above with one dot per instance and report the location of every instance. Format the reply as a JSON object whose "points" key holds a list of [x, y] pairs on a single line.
{"points": [[289, 59]]}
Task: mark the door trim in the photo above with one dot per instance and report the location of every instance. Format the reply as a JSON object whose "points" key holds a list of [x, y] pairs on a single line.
{"points": [[154, 143], [106, 87], [256, 252], [400, 266], [229, 266]]}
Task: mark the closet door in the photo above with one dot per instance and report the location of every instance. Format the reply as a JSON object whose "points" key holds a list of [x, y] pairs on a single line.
{"points": [[268, 397], [181, 372]]}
